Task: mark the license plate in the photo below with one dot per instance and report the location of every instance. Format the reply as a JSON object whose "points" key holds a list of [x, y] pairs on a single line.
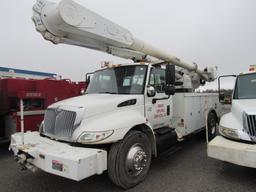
{"points": [[56, 165]]}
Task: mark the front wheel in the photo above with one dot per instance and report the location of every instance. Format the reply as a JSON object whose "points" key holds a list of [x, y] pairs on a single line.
{"points": [[129, 160], [212, 123]]}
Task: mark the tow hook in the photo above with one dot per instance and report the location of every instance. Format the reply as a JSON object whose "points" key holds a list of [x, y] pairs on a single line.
{"points": [[26, 162]]}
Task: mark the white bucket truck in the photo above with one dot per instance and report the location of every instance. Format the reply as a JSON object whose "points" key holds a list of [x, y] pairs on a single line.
{"points": [[128, 114], [236, 142]]}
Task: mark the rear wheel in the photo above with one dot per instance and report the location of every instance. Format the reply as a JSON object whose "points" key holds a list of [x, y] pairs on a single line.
{"points": [[129, 160], [212, 123]]}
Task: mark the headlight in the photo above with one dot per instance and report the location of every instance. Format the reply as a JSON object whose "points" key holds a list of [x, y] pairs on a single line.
{"points": [[92, 137], [227, 132]]}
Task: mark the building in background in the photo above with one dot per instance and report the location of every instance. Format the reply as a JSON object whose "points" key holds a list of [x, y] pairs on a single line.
{"points": [[18, 73]]}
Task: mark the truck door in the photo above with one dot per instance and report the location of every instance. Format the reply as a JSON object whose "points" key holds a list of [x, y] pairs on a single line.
{"points": [[158, 112]]}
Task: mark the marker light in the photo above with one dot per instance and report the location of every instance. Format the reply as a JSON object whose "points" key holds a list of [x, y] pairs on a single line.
{"points": [[252, 68]]}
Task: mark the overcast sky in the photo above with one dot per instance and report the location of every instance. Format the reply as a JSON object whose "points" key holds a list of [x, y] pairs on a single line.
{"points": [[208, 32]]}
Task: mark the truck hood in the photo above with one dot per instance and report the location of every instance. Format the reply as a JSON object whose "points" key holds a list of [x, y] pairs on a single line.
{"points": [[240, 106], [234, 119], [93, 104]]}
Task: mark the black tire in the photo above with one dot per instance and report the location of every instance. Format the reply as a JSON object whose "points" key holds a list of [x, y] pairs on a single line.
{"points": [[123, 169], [212, 123]]}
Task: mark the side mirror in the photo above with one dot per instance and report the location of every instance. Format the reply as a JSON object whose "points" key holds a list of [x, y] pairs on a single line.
{"points": [[169, 89], [88, 79], [170, 74], [151, 92], [225, 98], [170, 79], [225, 95], [221, 97]]}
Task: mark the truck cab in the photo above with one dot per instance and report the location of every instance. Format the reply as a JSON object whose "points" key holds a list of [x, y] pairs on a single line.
{"points": [[117, 99], [112, 125], [236, 142]]}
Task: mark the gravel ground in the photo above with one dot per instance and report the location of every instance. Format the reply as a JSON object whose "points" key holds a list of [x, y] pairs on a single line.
{"points": [[187, 169]]}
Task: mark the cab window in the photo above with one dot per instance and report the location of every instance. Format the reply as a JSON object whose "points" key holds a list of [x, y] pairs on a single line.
{"points": [[157, 79]]}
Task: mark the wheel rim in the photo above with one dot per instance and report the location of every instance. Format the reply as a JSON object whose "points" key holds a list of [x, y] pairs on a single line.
{"points": [[213, 126], [136, 160]]}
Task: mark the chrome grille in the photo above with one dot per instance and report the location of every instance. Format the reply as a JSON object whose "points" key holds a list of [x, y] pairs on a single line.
{"points": [[59, 123], [250, 126]]}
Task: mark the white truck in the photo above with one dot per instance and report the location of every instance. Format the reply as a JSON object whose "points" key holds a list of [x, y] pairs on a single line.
{"points": [[236, 142], [128, 114]]}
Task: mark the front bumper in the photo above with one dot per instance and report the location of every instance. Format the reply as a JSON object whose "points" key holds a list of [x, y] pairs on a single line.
{"points": [[232, 151], [58, 158]]}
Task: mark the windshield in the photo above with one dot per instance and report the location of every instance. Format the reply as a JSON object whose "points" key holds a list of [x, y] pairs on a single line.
{"points": [[246, 87], [119, 80]]}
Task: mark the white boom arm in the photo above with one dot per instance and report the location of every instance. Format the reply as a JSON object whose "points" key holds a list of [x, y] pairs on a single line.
{"points": [[70, 23]]}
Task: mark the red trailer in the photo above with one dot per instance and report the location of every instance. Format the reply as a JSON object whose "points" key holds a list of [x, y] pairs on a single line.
{"points": [[36, 95]]}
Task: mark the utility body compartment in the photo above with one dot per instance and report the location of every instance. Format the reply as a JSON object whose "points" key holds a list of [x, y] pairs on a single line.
{"points": [[190, 110]]}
